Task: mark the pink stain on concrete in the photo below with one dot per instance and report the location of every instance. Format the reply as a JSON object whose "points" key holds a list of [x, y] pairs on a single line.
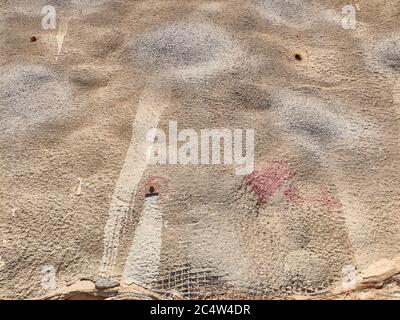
{"points": [[274, 176], [266, 181], [292, 195], [327, 201]]}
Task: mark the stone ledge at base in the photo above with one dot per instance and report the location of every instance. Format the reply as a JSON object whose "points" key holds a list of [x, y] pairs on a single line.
{"points": [[95, 288]]}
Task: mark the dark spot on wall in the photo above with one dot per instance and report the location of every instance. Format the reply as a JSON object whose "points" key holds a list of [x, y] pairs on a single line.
{"points": [[392, 60], [151, 193], [178, 45], [249, 96], [313, 125], [387, 53]]}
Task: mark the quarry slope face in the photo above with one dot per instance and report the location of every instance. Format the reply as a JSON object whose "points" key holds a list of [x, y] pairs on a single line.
{"points": [[314, 87]]}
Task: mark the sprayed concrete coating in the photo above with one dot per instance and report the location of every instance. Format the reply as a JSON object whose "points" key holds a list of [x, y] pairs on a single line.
{"points": [[76, 103], [143, 262]]}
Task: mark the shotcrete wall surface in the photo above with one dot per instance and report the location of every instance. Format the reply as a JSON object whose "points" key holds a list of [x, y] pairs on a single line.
{"points": [[79, 198]]}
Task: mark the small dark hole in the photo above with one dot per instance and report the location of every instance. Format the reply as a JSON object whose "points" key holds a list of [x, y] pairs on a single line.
{"points": [[151, 189], [33, 39], [298, 57]]}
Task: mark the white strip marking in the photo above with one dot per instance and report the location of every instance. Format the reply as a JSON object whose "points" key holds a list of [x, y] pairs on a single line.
{"points": [[151, 106], [80, 186], [143, 260], [60, 38]]}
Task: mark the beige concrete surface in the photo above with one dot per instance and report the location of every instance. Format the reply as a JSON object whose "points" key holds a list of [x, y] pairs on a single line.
{"points": [[321, 93]]}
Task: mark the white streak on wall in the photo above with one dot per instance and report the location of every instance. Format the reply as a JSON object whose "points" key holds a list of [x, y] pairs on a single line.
{"points": [[151, 106], [62, 32], [143, 260]]}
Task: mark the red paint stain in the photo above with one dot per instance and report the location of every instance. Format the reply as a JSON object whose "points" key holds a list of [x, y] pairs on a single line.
{"points": [[327, 201], [266, 181], [292, 195]]}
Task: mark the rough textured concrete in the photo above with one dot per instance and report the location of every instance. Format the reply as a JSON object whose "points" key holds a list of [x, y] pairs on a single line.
{"points": [[321, 100]]}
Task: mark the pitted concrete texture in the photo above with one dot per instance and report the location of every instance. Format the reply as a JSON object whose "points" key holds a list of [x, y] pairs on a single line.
{"points": [[75, 106], [143, 262]]}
